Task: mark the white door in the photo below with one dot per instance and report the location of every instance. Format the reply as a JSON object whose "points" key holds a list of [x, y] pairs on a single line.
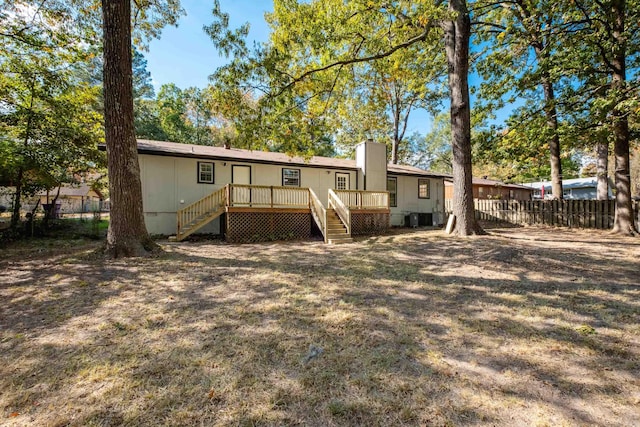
{"points": [[241, 174], [342, 181]]}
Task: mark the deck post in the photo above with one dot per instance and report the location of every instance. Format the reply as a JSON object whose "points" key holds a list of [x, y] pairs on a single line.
{"points": [[271, 188]]}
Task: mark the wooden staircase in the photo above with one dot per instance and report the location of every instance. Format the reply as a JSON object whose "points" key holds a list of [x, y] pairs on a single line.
{"points": [[198, 214], [336, 231]]}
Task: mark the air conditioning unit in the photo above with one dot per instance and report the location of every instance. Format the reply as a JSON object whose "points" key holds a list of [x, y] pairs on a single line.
{"points": [[414, 220]]}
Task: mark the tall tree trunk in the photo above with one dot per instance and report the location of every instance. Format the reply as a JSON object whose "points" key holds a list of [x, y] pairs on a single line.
{"points": [[624, 221], [51, 208], [396, 129], [127, 235], [15, 215], [17, 205], [457, 48], [554, 142], [602, 171]]}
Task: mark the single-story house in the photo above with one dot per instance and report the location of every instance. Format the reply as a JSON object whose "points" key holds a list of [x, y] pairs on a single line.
{"points": [[73, 198], [490, 189], [578, 188], [251, 195]]}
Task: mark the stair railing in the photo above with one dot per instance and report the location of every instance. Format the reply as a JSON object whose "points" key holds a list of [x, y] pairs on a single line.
{"points": [[318, 212], [198, 210], [341, 209]]}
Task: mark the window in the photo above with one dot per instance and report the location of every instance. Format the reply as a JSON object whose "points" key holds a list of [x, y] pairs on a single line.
{"points": [[205, 173], [342, 181], [291, 177], [392, 188], [424, 190]]}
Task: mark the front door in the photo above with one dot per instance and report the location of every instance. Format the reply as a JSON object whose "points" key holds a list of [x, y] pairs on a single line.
{"points": [[241, 174], [342, 181]]}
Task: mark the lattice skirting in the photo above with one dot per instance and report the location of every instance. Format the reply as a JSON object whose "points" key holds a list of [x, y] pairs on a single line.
{"points": [[245, 227], [367, 223]]}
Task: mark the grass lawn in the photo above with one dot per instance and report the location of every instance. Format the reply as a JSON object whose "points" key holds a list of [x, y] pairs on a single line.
{"points": [[526, 326]]}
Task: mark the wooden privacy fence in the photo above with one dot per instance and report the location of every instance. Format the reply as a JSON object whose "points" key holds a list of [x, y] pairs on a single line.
{"points": [[566, 213]]}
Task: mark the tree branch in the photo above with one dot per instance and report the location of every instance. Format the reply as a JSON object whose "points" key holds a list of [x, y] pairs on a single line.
{"points": [[420, 37]]}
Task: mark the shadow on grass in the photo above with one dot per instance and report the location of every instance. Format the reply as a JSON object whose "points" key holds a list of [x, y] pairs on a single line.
{"points": [[410, 334]]}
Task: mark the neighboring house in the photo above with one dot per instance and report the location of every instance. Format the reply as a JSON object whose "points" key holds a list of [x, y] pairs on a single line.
{"points": [[489, 189], [578, 188], [7, 196], [73, 198], [251, 195]]}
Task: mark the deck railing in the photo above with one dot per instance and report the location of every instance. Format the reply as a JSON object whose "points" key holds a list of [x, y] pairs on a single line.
{"points": [[264, 196], [341, 209], [318, 212], [206, 206], [356, 199]]}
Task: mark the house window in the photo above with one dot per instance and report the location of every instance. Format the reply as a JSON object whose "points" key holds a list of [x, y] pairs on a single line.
{"points": [[342, 181], [205, 173], [392, 188], [512, 194], [424, 190], [291, 177]]}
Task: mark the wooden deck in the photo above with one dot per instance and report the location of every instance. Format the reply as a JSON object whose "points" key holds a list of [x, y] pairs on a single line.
{"points": [[257, 212]]}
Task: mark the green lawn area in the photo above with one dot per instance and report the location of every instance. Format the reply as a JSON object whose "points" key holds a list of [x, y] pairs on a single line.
{"points": [[526, 326]]}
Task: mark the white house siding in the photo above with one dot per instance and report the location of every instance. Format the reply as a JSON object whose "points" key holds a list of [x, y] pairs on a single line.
{"points": [[408, 201], [170, 183]]}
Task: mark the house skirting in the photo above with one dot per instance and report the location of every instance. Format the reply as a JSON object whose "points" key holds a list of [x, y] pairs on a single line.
{"points": [[246, 225], [364, 223]]}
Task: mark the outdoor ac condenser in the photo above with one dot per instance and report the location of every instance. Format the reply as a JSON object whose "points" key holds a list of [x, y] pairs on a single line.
{"points": [[414, 219]]}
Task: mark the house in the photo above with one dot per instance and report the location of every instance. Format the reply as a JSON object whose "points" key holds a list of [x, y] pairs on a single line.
{"points": [[578, 188], [73, 198], [255, 195], [490, 189]]}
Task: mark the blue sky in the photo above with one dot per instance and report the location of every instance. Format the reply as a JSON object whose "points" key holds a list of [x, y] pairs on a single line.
{"points": [[185, 55]]}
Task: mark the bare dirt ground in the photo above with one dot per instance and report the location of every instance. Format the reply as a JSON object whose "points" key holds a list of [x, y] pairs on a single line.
{"points": [[525, 326]]}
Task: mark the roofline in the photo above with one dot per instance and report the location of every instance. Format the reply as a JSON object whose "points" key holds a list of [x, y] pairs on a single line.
{"points": [[496, 184], [152, 152], [238, 159], [426, 174]]}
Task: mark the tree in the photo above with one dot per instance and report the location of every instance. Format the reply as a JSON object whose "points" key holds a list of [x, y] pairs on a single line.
{"points": [[127, 234], [521, 31], [457, 35], [519, 152], [433, 150], [49, 126], [611, 43]]}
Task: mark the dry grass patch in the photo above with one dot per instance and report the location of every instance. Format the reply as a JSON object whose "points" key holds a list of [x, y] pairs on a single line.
{"points": [[522, 327]]}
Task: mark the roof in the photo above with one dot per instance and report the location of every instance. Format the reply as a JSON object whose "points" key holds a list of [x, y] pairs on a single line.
{"points": [[494, 183], [589, 182], [255, 156], [81, 190]]}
